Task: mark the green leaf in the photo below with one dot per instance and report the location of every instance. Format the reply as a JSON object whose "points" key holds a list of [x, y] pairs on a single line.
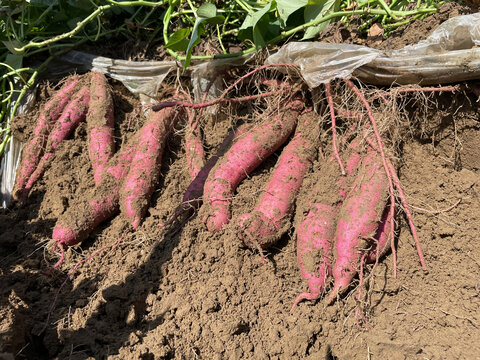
{"points": [[287, 7], [179, 40], [43, 3], [15, 61], [315, 10], [206, 13], [264, 24], [198, 30], [216, 20], [207, 10], [85, 5]]}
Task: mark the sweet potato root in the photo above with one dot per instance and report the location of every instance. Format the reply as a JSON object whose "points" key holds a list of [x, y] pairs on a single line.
{"points": [[34, 149], [315, 240], [358, 220], [74, 113], [241, 159], [316, 233], [271, 217], [143, 174], [99, 204], [101, 145]]}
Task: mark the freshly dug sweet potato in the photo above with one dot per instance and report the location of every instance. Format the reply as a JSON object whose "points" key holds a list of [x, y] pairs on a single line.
{"points": [[193, 145], [142, 177], [271, 217], [74, 114], [34, 149], [381, 240], [100, 118], [315, 240], [316, 233], [99, 204], [358, 220], [242, 158]]}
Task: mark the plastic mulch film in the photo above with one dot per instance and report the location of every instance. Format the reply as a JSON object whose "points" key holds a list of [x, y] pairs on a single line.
{"points": [[450, 54], [11, 156]]}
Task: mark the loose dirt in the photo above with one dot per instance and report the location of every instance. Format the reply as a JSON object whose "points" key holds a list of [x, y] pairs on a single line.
{"points": [[201, 296]]}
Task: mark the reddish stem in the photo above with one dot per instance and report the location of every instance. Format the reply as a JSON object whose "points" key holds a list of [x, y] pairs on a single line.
{"points": [[334, 129], [164, 105], [408, 214]]}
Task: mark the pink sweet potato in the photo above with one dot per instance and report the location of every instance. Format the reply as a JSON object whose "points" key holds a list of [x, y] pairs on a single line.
{"points": [[193, 197], [34, 149], [101, 145], [195, 189], [316, 234], [315, 239], [193, 145], [98, 205], [241, 159], [74, 113], [358, 221], [381, 243], [142, 177], [271, 217]]}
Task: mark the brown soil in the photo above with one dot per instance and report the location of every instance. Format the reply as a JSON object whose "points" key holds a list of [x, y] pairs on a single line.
{"points": [[404, 35], [201, 296]]}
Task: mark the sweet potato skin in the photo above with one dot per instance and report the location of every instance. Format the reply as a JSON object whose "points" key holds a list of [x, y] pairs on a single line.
{"points": [[100, 122], [34, 149], [194, 150], [271, 217], [241, 159], [73, 114], [142, 177], [358, 220], [381, 243], [315, 239]]}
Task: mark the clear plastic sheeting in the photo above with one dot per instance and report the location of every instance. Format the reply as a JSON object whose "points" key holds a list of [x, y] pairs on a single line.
{"points": [[140, 77], [11, 156], [321, 63], [449, 54]]}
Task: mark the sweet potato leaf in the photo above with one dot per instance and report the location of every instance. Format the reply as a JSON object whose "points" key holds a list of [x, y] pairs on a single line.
{"points": [[317, 9]]}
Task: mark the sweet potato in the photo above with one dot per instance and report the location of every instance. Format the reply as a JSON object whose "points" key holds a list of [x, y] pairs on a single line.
{"points": [[316, 233], [315, 238], [74, 113], [99, 204], [34, 149], [193, 197], [271, 217], [241, 159], [143, 174], [193, 145], [358, 220], [381, 243], [101, 145]]}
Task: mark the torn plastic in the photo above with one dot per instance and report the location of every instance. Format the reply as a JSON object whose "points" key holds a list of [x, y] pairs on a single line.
{"points": [[11, 156], [449, 54]]}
